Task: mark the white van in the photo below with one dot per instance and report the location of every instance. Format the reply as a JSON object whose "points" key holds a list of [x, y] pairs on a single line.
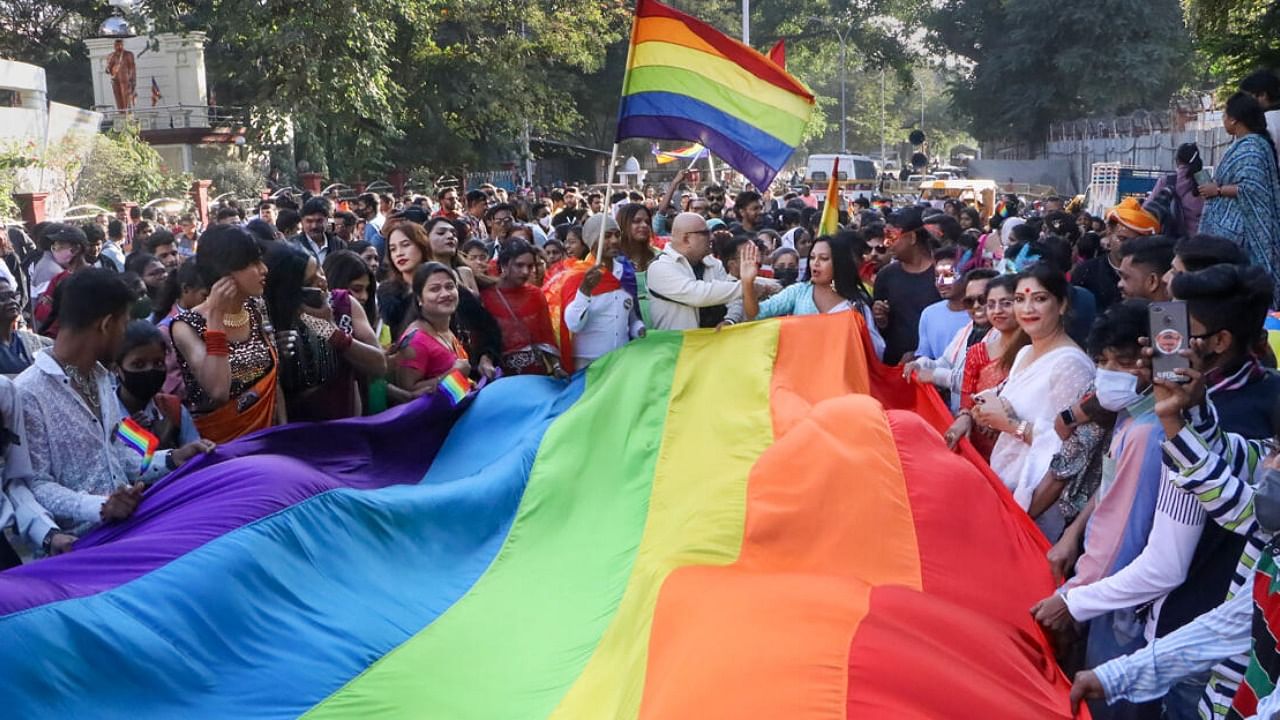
{"points": [[857, 175]]}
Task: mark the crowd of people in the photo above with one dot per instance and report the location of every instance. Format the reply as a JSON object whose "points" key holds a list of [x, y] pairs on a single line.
{"points": [[132, 345]]}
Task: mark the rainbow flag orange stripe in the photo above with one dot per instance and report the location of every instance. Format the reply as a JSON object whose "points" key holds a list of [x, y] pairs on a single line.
{"points": [[758, 522], [686, 80], [456, 386], [137, 437]]}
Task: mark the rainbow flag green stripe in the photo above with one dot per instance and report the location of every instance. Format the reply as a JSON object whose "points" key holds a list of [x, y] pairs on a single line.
{"points": [[560, 618]]}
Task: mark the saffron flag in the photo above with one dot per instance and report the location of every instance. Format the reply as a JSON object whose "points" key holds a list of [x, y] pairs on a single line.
{"points": [[832, 560], [156, 97], [689, 152], [130, 433], [830, 223], [685, 80]]}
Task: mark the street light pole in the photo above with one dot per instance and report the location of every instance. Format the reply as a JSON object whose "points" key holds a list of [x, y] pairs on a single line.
{"points": [[746, 22], [882, 116], [844, 115]]}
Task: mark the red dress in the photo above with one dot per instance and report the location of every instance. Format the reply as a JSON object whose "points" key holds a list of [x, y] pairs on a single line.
{"points": [[980, 373], [528, 341]]}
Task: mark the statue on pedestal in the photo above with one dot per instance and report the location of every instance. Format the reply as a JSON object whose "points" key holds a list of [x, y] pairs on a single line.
{"points": [[124, 76]]}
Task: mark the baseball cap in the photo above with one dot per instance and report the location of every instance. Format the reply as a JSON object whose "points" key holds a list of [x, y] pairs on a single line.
{"points": [[908, 219]]}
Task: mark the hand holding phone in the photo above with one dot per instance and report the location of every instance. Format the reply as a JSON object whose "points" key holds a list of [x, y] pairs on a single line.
{"points": [[1170, 337]]}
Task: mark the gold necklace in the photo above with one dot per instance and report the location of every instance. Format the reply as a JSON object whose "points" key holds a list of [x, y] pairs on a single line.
{"points": [[235, 321]]}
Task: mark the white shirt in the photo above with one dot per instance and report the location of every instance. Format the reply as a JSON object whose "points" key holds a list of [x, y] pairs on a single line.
{"points": [[601, 323], [18, 506], [1158, 570], [378, 220], [76, 459], [675, 293]]}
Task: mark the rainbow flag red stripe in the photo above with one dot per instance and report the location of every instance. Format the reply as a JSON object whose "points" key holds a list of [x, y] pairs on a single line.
{"points": [[456, 386], [137, 437], [687, 81], [832, 559]]}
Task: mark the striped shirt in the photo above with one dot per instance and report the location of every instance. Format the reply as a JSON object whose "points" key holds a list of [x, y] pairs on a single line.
{"points": [[1218, 468]]}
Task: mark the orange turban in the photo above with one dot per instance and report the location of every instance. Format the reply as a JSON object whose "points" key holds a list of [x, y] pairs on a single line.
{"points": [[1130, 214]]}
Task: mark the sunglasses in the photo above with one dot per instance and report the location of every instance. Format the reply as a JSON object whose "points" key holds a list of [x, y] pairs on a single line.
{"points": [[879, 249], [977, 301]]}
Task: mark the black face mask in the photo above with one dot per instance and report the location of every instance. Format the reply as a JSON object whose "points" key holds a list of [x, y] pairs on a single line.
{"points": [[141, 308], [142, 384], [786, 276]]}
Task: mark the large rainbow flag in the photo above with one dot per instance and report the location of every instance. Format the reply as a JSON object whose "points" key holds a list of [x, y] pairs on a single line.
{"points": [[688, 81], [701, 525]]}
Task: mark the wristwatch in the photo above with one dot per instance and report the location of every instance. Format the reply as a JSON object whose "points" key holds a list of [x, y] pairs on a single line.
{"points": [[1068, 418], [47, 544]]}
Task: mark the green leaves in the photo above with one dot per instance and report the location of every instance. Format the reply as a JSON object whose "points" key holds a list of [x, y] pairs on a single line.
{"points": [[123, 167], [1039, 61]]}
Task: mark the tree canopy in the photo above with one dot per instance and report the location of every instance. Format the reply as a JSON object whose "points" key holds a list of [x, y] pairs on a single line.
{"points": [[354, 89], [1035, 62]]}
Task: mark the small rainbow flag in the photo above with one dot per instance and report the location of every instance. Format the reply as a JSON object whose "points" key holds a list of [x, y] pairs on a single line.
{"points": [[138, 438], [830, 224], [689, 152], [688, 81], [456, 386]]}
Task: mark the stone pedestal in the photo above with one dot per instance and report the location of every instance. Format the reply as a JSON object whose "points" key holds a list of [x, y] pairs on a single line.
{"points": [[200, 196], [32, 204], [311, 182]]}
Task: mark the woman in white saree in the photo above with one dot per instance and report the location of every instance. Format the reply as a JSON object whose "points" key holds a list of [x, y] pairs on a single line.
{"points": [[1048, 376]]}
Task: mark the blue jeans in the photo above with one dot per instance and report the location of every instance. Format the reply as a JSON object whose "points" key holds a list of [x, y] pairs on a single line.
{"points": [[1184, 698]]}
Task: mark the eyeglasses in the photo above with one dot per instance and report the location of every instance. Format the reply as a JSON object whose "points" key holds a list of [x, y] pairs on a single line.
{"points": [[974, 302], [1006, 304], [879, 249]]}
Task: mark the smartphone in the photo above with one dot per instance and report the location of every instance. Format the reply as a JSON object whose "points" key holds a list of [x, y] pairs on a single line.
{"points": [[1170, 335], [313, 297], [1203, 177]]}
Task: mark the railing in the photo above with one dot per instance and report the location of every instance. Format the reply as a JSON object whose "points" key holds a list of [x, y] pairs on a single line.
{"points": [[174, 117]]}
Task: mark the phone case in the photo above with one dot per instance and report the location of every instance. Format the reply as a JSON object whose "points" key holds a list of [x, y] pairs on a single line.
{"points": [[1170, 335]]}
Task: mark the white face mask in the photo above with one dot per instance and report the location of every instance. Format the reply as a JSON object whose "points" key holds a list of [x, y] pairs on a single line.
{"points": [[1116, 389]]}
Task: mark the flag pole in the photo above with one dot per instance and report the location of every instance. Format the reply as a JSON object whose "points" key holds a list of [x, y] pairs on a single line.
{"points": [[608, 190]]}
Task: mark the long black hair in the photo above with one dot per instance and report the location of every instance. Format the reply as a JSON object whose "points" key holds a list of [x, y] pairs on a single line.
{"points": [[1246, 110], [286, 276], [344, 267], [845, 264]]}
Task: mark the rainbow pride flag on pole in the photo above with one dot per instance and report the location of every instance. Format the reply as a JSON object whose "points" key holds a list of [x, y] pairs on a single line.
{"points": [[688, 81], [138, 438], [688, 152], [761, 522]]}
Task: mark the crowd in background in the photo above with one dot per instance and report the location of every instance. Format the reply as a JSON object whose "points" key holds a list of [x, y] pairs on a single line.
{"points": [[132, 344]]}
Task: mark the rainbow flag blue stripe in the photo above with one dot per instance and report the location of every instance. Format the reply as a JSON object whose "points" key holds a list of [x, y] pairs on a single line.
{"points": [[414, 565], [687, 81]]}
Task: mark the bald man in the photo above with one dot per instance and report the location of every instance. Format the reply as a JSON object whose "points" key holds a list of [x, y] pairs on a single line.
{"points": [[688, 286]]}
